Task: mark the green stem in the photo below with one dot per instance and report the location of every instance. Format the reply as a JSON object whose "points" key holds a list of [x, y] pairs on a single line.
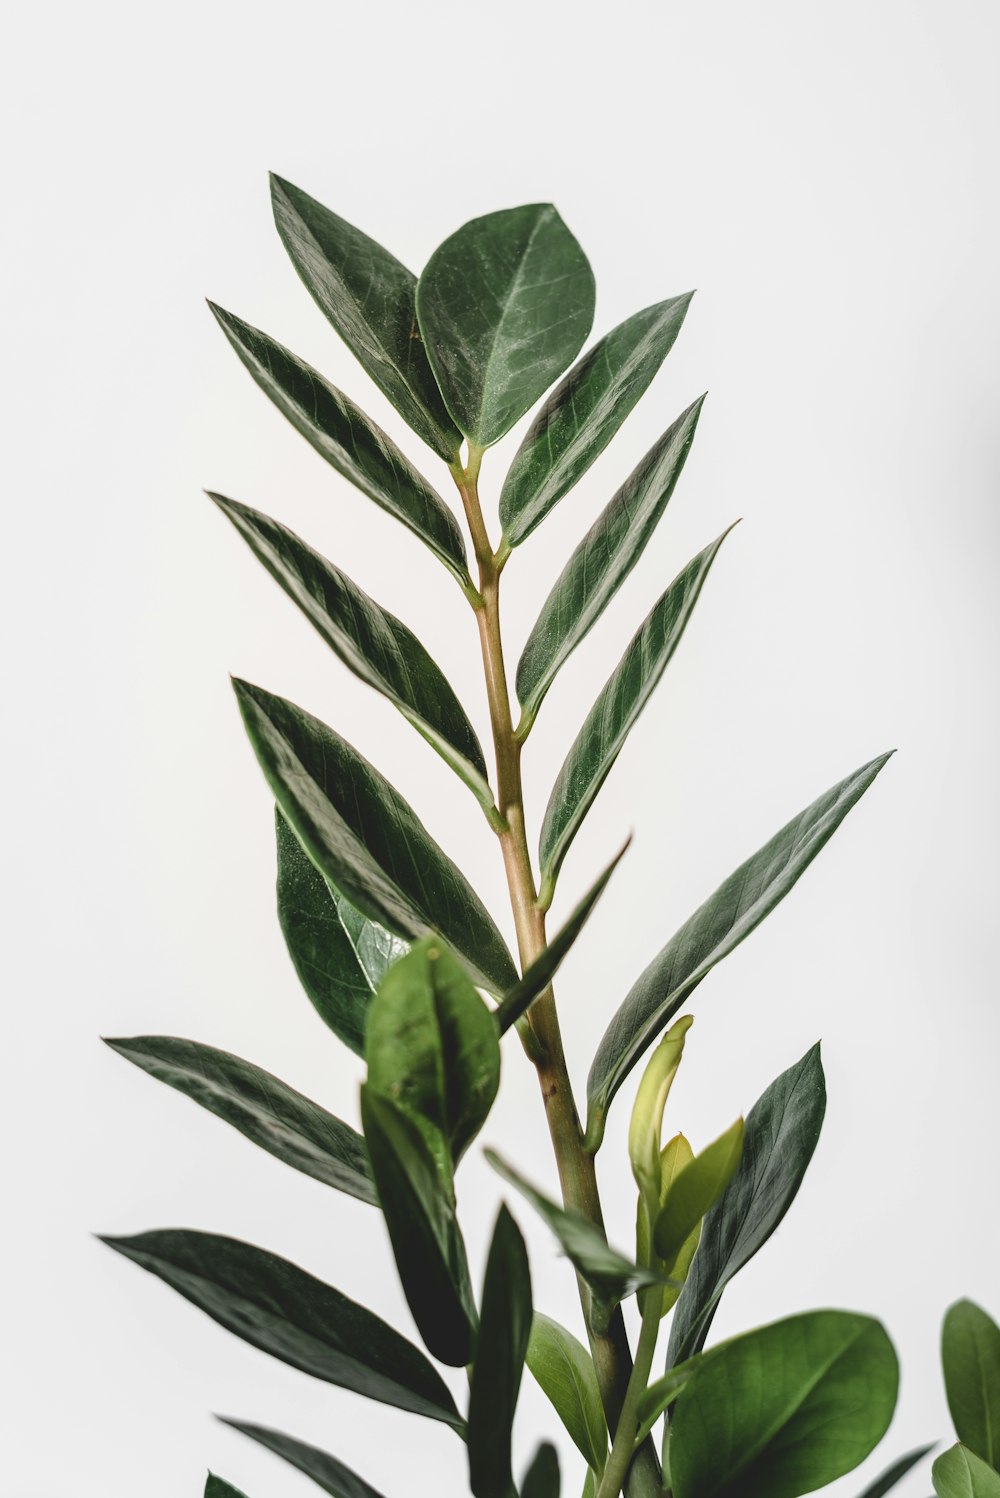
{"points": [[621, 1449]]}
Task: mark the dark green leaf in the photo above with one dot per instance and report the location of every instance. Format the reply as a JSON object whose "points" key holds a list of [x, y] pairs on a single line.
{"points": [[726, 918], [369, 298], [658, 1396], [348, 440], [365, 839], [284, 1311], [419, 1210], [433, 1049], [959, 1473], [332, 1476], [618, 705], [894, 1474], [782, 1131], [970, 1352], [542, 1478], [266, 1110], [504, 1329], [696, 1187], [784, 1410], [371, 642], [584, 412], [541, 972], [564, 1370], [601, 563], [504, 306], [215, 1487]]}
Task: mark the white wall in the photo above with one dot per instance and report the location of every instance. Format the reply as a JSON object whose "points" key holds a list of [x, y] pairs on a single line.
{"points": [[826, 175]]}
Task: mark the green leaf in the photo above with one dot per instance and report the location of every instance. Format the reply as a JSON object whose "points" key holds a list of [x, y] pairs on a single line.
{"points": [[268, 1111], [539, 975], [348, 440], [504, 1329], [959, 1473], [970, 1351], [646, 1124], [368, 296], [284, 1311], [584, 412], [504, 306], [216, 1487], [564, 1370], [618, 705], [784, 1410], [365, 839], [332, 1476], [782, 1131], [419, 1211], [658, 1396], [601, 563], [695, 1188], [433, 1049], [542, 1478], [726, 918], [894, 1474], [370, 641], [674, 1157]]}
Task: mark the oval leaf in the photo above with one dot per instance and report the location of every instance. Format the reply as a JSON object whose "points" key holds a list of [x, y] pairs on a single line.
{"points": [[894, 1474], [264, 1109], [564, 1371], [284, 1311], [695, 1188], [369, 297], [584, 412], [332, 1476], [504, 306], [970, 1352], [542, 1478], [504, 1329], [959, 1473], [726, 918]]}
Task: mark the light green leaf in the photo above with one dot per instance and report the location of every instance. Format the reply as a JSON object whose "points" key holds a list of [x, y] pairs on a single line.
{"points": [[365, 839], [601, 563], [970, 1352], [542, 1478], [726, 918], [216, 1487], [959, 1473], [674, 1157], [564, 1370], [894, 1474], [584, 412], [368, 296], [610, 720], [349, 441], [504, 1329], [264, 1109], [332, 1476], [504, 306], [696, 1188], [646, 1123], [784, 1410], [284, 1311]]}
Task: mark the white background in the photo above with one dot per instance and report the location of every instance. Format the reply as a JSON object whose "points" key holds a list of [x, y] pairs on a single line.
{"points": [[826, 175]]}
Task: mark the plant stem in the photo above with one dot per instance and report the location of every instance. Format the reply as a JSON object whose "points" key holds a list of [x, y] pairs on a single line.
{"points": [[577, 1175], [621, 1448]]}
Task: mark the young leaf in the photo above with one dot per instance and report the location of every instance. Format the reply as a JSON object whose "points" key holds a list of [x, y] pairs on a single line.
{"points": [[694, 1189], [618, 705], [419, 1211], [370, 641], [959, 1473], [646, 1124], [215, 1487], [365, 839], [726, 918], [504, 306], [970, 1352], [564, 1370], [675, 1156], [368, 296], [332, 1476], [284, 1311], [601, 563], [268, 1111], [894, 1474], [583, 413], [784, 1410], [782, 1131], [350, 442], [542, 1478], [504, 1329]]}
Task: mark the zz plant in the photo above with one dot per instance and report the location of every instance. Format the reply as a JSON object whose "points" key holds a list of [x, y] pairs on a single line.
{"points": [[405, 965]]}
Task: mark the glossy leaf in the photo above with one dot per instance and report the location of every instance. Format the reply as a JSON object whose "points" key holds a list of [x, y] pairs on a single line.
{"points": [[284, 1311], [419, 1211], [216, 1487], [727, 917], [601, 563], [504, 307], [564, 1371], [542, 1478], [618, 705], [782, 1131], [266, 1110], [784, 1410], [332, 1476], [348, 440], [959, 1473], [368, 296], [584, 412], [540, 973], [895, 1474], [365, 839], [504, 1329], [970, 1353], [656, 1399], [694, 1189], [370, 641]]}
